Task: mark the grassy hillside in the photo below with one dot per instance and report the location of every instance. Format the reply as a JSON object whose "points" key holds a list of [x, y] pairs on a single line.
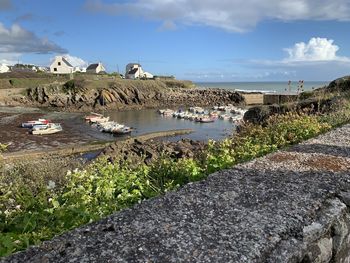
{"points": [[28, 79]]}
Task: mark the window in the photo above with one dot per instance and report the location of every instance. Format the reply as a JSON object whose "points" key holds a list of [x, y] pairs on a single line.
{"points": [[54, 69], [59, 63]]}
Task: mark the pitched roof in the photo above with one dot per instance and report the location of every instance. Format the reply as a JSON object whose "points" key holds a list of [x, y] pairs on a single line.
{"points": [[133, 71], [92, 66], [66, 61]]}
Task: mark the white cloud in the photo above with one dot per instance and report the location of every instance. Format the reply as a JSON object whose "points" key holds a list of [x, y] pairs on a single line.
{"points": [[18, 40], [317, 49], [231, 15], [316, 59]]}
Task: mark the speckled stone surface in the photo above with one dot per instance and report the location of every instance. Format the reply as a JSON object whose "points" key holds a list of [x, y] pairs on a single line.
{"points": [[285, 207]]}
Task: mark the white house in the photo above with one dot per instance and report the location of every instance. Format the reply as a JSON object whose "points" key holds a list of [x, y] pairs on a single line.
{"points": [[95, 68], [4, 68], [135, 71], [61, 66]]}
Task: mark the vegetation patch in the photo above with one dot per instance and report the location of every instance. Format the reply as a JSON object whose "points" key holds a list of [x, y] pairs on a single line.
{"points": [[33, 209]]}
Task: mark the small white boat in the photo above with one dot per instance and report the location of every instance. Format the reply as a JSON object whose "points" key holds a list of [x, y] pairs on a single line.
{"points": [[224, 117], [39, 127], [205, 119], [30, 124], [92, 116], [51, 128], [124, 130], [99, 119], [236, 118], [168, 112]]}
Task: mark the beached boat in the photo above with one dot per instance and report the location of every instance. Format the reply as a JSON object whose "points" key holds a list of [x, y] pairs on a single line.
{"points": [[124, 130], [51, 128], [99, 119], [39, 127], [92, 116], [30, 124]]}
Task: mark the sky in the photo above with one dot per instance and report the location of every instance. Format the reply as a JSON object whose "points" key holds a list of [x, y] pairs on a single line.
{"points": [[199, 40]]}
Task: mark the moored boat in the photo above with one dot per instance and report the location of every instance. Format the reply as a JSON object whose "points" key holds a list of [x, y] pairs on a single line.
{"points": [[124, 130], [30, 124], [51, 128], [205, 119]]}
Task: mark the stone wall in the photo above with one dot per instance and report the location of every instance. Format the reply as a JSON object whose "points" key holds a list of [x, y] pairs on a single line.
{"points": [[290, 206]]}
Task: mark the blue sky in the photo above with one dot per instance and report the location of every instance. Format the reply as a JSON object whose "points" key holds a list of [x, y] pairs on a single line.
{"points": [[200, 40]]}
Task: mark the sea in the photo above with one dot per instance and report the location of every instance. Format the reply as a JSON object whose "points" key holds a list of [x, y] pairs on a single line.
{"points": [[266, 87]]}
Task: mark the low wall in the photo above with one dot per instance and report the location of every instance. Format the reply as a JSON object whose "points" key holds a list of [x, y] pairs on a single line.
{"points": [[278, 98], [290, 206], [253, 98]]}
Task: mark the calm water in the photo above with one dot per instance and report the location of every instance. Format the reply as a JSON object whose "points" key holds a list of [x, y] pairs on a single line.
{"points": [[262, 86], [146, 121]]}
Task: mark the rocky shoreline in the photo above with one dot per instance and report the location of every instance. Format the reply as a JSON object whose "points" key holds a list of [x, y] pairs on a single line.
{"points": [[83, 95]]}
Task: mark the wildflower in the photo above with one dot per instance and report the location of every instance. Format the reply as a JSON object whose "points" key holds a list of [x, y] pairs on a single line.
{"points": [[69, 172], [18, 207], [51, 185]]}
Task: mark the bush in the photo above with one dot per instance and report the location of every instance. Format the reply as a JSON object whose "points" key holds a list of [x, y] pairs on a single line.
{"points": [[31, 213]]}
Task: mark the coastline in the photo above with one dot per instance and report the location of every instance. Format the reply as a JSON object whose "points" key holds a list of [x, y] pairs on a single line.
{"points": [[75, 149]]}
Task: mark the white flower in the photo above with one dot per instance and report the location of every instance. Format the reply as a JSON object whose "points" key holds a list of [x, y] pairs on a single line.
{"points": [[51, 185], [18, 207], [69, 172]]}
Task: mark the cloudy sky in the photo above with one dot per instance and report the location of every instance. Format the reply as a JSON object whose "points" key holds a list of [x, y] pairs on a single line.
{"points": [[201, 40]]}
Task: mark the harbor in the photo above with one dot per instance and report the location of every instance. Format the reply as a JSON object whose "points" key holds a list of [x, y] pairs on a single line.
{"points": [[76, 131]]}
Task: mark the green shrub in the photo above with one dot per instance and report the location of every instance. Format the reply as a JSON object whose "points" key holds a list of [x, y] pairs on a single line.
{"points": [[31, 213]]}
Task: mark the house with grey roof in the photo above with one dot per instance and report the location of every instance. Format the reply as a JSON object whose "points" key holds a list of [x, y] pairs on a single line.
{"points": [[61, 66], [96, 68], [135, 71]]}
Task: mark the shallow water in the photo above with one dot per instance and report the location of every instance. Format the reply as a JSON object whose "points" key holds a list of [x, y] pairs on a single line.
{"points": [[77, 131], [147, 121]]}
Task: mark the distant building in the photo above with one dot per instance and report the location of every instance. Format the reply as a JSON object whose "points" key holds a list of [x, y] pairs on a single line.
{"points": [[79, 69], [23, 68], [135, 71], [61, 66], [4, 68], [96, 68], [43, 69]]}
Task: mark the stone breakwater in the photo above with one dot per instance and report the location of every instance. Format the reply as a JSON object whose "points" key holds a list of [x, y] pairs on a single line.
{"points": [[290, 206], [125, 97]]}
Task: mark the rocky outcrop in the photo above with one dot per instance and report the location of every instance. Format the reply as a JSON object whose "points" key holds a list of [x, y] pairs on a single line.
{"points": [[84, 95], [135, 151]]}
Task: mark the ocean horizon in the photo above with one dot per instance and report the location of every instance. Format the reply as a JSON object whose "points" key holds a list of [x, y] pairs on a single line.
{"points": [[268, 86]]}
